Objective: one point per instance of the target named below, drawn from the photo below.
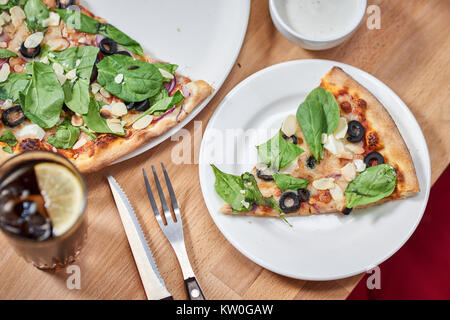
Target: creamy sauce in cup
(320, 19)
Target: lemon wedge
(63, 193)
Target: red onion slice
(180, 113)
(185, 91)
(98, 39)
(3, 61)
(4, 37)
(165, 114)
(170, 85)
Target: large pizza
(74, 84)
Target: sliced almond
(17, 15)
(4, 72)
(341, 129)
(166, 74)
(324, 183)
(336, 193)
(349, 172)
(119, 78)
(333, 145)
(77, 120)
(71, 75)
(360, 165)
(106, 112)
(54, 19)
(58, 68)
(355, 148)
(81, 142)
(61, 78)
(114, 125)
(31, 131)
(58, 44)
(34, 40)
(105, 93)
(95, 88)
(5, 16)
(143, 122)
(290, 125)
(119, 109)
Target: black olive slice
(355, 131)
(263, 176)
(30, 53)
(65, 4)
(293, 138)
(289, 202)
(311, 162)
(372, 157)
(108, 46)
(347, 211)
(304, 195)
(13, 116)
(125, 53)
(142, 106)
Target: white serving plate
(203, 37)
(323, 247)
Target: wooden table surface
(410, 53)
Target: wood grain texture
(410, 54)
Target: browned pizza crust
(394, 148)
(109, 148)
(383, 136)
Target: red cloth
(421, 268)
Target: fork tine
(152, 199)
(161, 196)
(173, 198)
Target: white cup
(280, 22)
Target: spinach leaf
(43, 100)
(77, 93)
(171, 68)
(81, 22)
(36, 12)
(89, 133)
(162, 105)
(254, 196)
(121, 38)
(95, 121)
(78, 21)
(5, 54)
(8, 138)
(277, 152)
(371, 185)
(139, 80)
(229, 187)
(12, 3)
(16, 83)
(287, 182)
(311, 118)
(66, 136)
(329, 105)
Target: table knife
(154, 285)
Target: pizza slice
(74, 84)
(341, 151)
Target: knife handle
(193, 289)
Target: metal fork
(173, 229)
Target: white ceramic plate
(203, 37)
(324, 247)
